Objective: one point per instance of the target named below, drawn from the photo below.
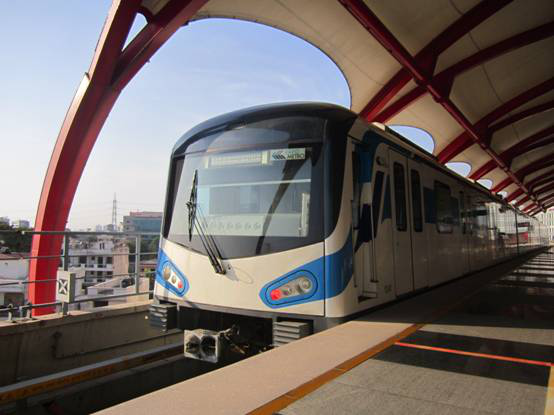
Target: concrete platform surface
(492, 354)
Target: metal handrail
(33, 232)
(82, 300)
(76, 256)
(64, 257)
(23, 282)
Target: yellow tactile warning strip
(549, 406)
(308, 387)
(49, 383)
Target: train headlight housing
(170, 277)
(295, 287)
(166, 272)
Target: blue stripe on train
(331, 274)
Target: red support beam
(539, 164)
(548, 204)
(502, 185)
(538, 181)
(514, 195)
(445, 79)
(476, 132)
(458, 145)
(398, 105)
(530, 143)
(547, 106)
(531, 207)
(526, 144)
(543, 183)
(484, 169)
(517, 101)
(547, 200)
(523, 200)
(424, 62)
(545, 189)
(111, 69)
(67, 160)
(462, 142)
(541, 179)
(532, 147)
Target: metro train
(286, 219)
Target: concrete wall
(54, 343)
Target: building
(142, 222)
(95, 255)
(21, 224)
(547, 219)
(13, 268)
(110, 228)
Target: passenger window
(356, 190)
(443, 203)
(400, 197)
(463, 212)
(376, 201)
(416, 201)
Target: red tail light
(276, 294)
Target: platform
(484, 343)
(491, 354)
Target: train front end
(248, 207)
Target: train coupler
(210, 345)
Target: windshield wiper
(208, 242)
(191, 204)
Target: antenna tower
(114, 213)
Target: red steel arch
(112, 67)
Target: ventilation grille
(285, 332)
(163, 316)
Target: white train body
(316, 216)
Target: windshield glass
(252, 201)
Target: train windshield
(250, 201)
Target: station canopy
(476, 75)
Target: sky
(207, 68)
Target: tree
(15, 239)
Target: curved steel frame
(112, 67)
(420, 68)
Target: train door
(418, 236)
(362, 230)
(401, 229)
(466, 247)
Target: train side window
(443, 203)
(356, 189)
(416, 201)
(400, 197)
(463, 212)
(376, 200)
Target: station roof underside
(476, 75)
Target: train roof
(324, 110)
(221, 122)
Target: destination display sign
(288, 154)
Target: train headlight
(304, 285)
(166, 273)
(169, 277)
(301, 286)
